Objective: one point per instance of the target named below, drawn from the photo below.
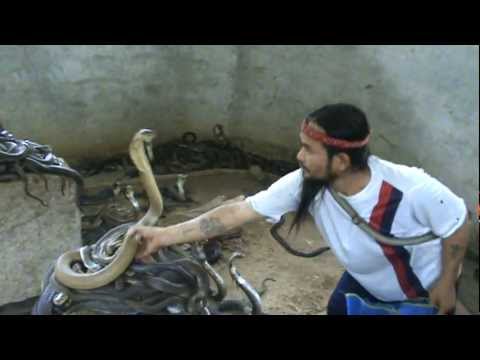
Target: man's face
(313, 158)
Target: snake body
(34, 157)
(11, 149)
(127, 250)
(245, 286)
(286, 246)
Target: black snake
(18, 157)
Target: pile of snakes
(189, 154)
(19, 157)
(179, 282)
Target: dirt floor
(302, 285)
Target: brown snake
(127, 250)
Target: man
(395, 200)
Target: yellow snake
(127, 250)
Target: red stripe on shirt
(378, 212)
(376, 220)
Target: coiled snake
(118, 262)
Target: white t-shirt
(398, 201)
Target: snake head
(139, 147)
(146, 135)
(233, 270)
(249, 290)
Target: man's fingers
(145, 258)
(446, 310)
(148, 259)
(441, 311)
(138, 238)
(141, 248)
(131, 231)
(449, 310)
(140, 254)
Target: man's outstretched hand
(150, 239)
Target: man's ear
(341, 162)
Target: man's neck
(353, 182)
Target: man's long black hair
(341, 121)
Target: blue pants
(337, 304)
(366, 304)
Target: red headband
(327, 140)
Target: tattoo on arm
(212, 227)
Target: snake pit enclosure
(79, 166)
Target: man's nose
(300, 155)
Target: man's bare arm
(454, 249)
(213, 223)
(443, 294)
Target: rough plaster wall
(32, 236)
(87, 101)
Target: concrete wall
(32, 236)
(86, 101)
